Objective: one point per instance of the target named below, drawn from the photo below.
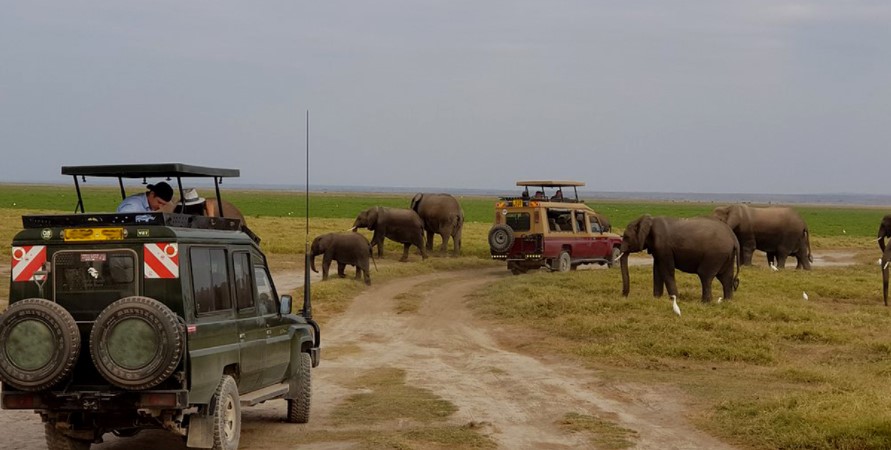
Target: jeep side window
(595, 225)
(210, 279)
(244, 288)
(265, 294)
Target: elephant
(442, 215)
(700, 245)
(397, 224)
(604, 223)
(885, 232)
(345, 248)
(778, 231)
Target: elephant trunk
(881, 238)
(626, 285)
(885, 280)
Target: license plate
(93, 234)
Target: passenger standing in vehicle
(156, 196)
(558, 196)
(194, 203)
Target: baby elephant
(345, 248)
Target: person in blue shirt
(154, 198)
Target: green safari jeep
(120, 322)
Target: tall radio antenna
(307, 303)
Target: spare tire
(39, 344)
(136, 343)
(501, 238)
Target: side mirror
(285, 307)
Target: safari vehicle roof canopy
(164, 170)
(550, 183)
(148, 170)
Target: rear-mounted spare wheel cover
(136, 343)
(39, 344)
(501, 238)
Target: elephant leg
(366, 273)
(420, 246)
(341, 269)
(771, 258)
(747, 250)
(406, 246)
(671, 284)
(781, 260)
(658, 282)
(444, 248)
(804, 262)
(706, 280)
(430, 240)
(326, 265)
(726, 279)
(378, 239)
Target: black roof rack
(148, 171)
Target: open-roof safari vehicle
(555, 231)
(119, 322)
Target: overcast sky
(767, 96)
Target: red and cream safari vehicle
(549, 228)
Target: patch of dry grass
(770, 369)
(604, 434)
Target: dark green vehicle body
(209, 271)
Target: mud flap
(200, 431)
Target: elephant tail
(371, 254)
(807, 241)
(736, 258)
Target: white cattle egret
(804, 295)
(880, 262)
(844, 232)
(773, 266)
(720, 299)
(674, 305)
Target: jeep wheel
(563, 262)
(298, 405)
(56, 440)
(614, 257)
(501, 238)
(226, 415)
(136, 343)
(39, 344)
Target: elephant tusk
(352, 229)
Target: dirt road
(515, 399)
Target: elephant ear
(884, 231)
(314, 248)
(416, 201)
(643, 230)
(373, 215)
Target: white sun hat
(191, 197)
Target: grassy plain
(765, 370)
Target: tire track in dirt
(445, 349)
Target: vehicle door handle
(268, 332)
(241, 336)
